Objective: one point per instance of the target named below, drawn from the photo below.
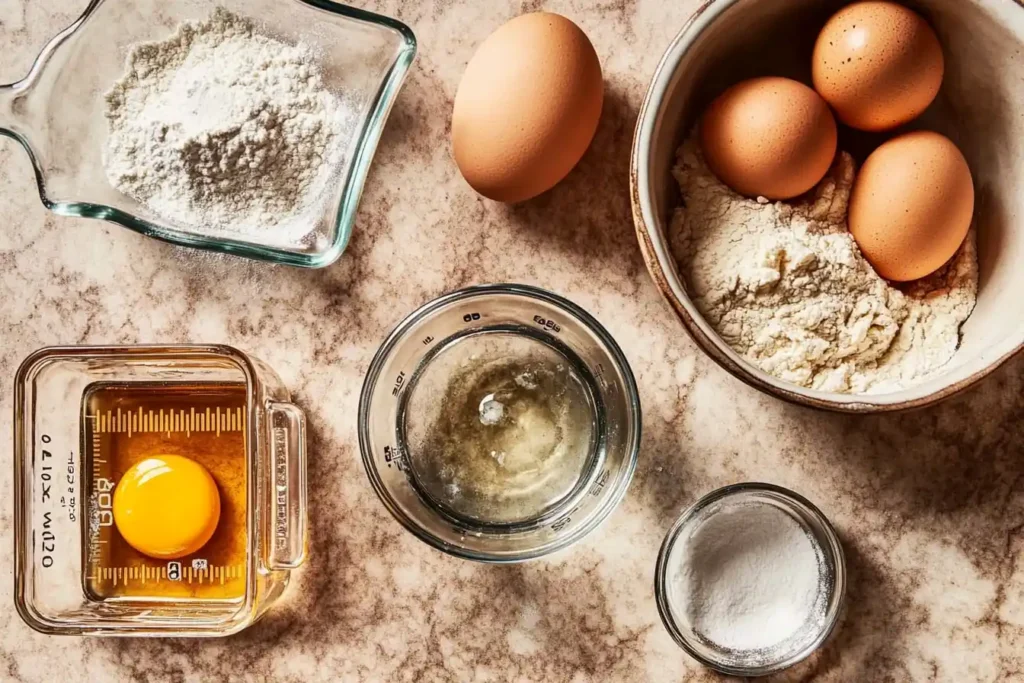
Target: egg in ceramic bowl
(912, 205)
(878, 64)
(769, 137)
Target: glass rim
(617, 493)
(833, 548)
(344, 219)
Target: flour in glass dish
(220, 128)
(785, 285)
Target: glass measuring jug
(504, 506)
(57, 111)
(85, 418)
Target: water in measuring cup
(127, 423)
(500, 427)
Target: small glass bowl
(57, 111)
(833, 567)
(540, 317)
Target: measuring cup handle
(286, 537)
(10, 121)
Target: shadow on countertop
(960, 456)
(588, 215)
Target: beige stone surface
(930, 505)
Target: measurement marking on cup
(399, 381)
(547, 323)
(96, 459)
(197, 572)
(170, 422)
(393, 456)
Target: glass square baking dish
(57, 111)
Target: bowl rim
(353, 181)
(673, 291)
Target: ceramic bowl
(981, 107)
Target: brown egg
(770, 137)
(912, 205)
(878, 64)
(527, 107)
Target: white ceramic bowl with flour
(980, 107)
(751, 579)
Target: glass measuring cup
(553, 327)
(57, 111)
(73, 574)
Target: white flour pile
(219, 128)
(786, 286)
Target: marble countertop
(930, 505)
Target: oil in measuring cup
(500, 426)
(192, 435)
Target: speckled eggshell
(878, 64)
(912, 205)
(527, 107)
(769, 137)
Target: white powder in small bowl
(750, 579)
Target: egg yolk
(166, 506)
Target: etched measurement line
(96, 459)
(126, 575)
(218, 420)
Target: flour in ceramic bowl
(785, 285)
(219, 128)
